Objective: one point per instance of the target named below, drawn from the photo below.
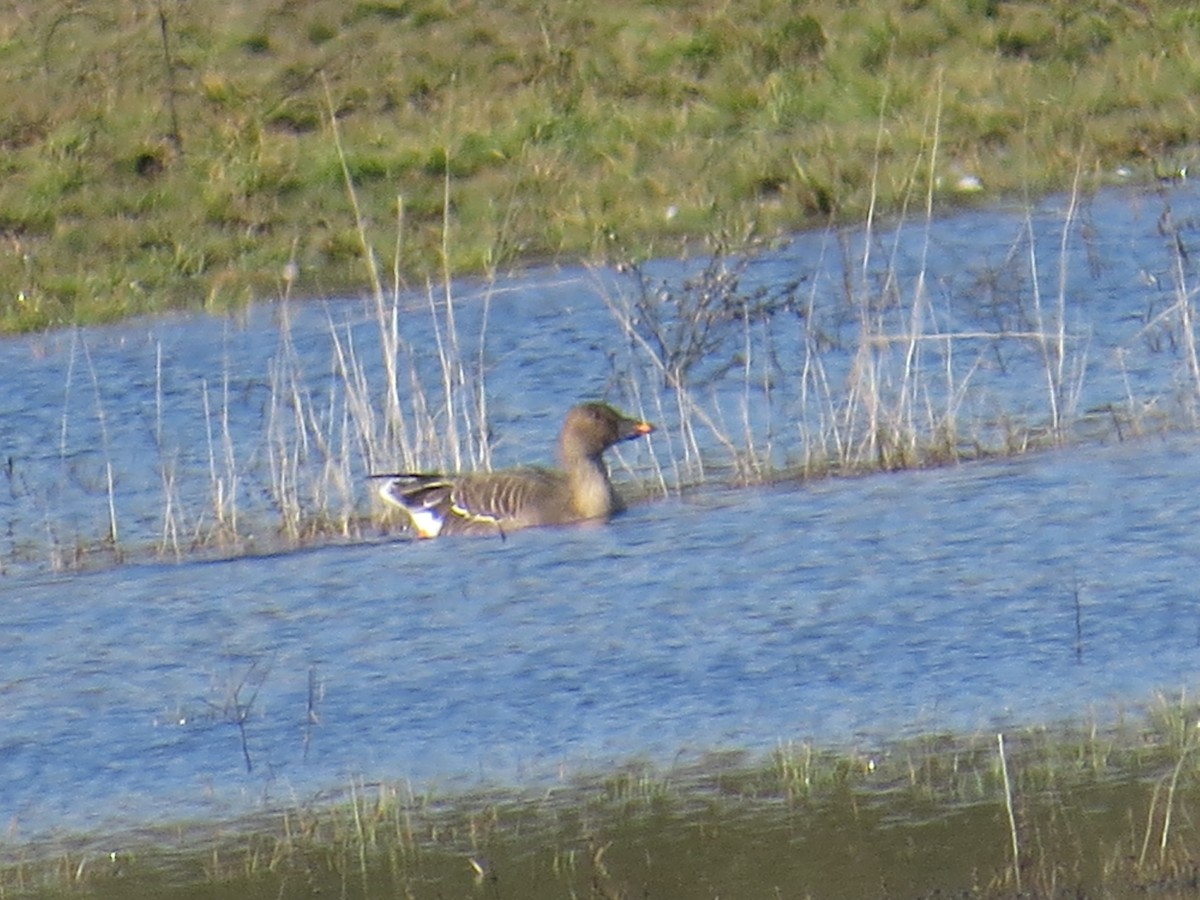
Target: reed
(110, 490)
(1183, 310)
(395, 406)
(69, 545)
(414, 410)
(868, 380)
(385, 403)
(169, 538)
(1014, 839)
(222, 467)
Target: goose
(526, 497)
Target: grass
(161, 156)
(1044, 812)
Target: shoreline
(893, 799)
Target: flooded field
(178, 647)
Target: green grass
(180, 155)
(1095, 812)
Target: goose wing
(516, 498)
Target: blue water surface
(164, 686)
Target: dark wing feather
(516, 498)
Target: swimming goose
(498, 502)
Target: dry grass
(866, 381)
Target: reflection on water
(844, 610)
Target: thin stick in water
(1078, 623)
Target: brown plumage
(498, 502)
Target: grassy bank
(162, 155)
(1036, 813)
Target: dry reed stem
(106, 447)
(1012, 817)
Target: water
(984, 596)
